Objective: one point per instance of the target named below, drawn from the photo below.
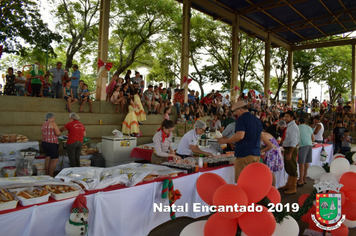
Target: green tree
(21, 27)
(334, 68)
(78, 23)
(137, 25)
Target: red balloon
(313, 226)
(348, 179)
(349, 209)
(343, 198)
(306, 217)
(207, 184)
(257, 223)
(217, 225)
(341, 231)
(302, 199)
(229, 195)
(351, 195)
(274, 196)
(256, 180)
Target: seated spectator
(79, 91)
(158, 98)
(226, 101)
(263, 119)
(46, 87)
(68, 95)
(197, 98)
(160, 87)
(149, 100)
(347, 108)
(178, 100)
(199, 114)
(177, 89)
(137, 78)
(215, 124)
(346, 121)
(228, 120)
(314, 113)
(85, 97)
(111, 86)
(206, 103)
(352, 122)
(331, 122)
(188, 115)
(191, 100)
(346, 142)
(277, 130)
(118, 100)
(20, 84)
(167, 112)
(164, 100)
(339, 110)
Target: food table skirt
(316, 154)
(126, 211)
(11, 150)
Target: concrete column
(290, 74)
(267, 67)
(103, 48)
(235, 58)
(185, 46)
(353, 79)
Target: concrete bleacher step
(25, 115)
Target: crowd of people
(37, 83)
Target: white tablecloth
(123, 212)
(11, 150)
(316, 155)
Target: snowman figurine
(77, 224)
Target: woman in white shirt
(162, 141)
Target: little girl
(130, 125)
(117, 100)
(167, 111)
(140, 113)
(111, 86)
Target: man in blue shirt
(75, 80)
(247, 138)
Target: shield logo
(328, 208)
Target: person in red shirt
(178, 99)
(206, 102)
(76, 133)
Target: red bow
(269, 91)
(0, 50)
(107, 65)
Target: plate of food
(59, 192)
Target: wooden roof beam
(336, 18)
(324, 44)
(350, 15)
(274, 18)
(210, 6)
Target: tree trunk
(201, 90)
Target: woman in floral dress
(273, 156)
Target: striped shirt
(48, 134)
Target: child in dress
(46, 90)
(111, 86)
(117, 100)
(130, 125)
(140, 113)
(167, 111)
(86, 98)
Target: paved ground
(174, 227)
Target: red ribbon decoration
(107, 65)
(184, 79)
(0, 50)
(189, 80)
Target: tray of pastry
(59, 192)
(7, 201)
(31, 195)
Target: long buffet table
(116, 210)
